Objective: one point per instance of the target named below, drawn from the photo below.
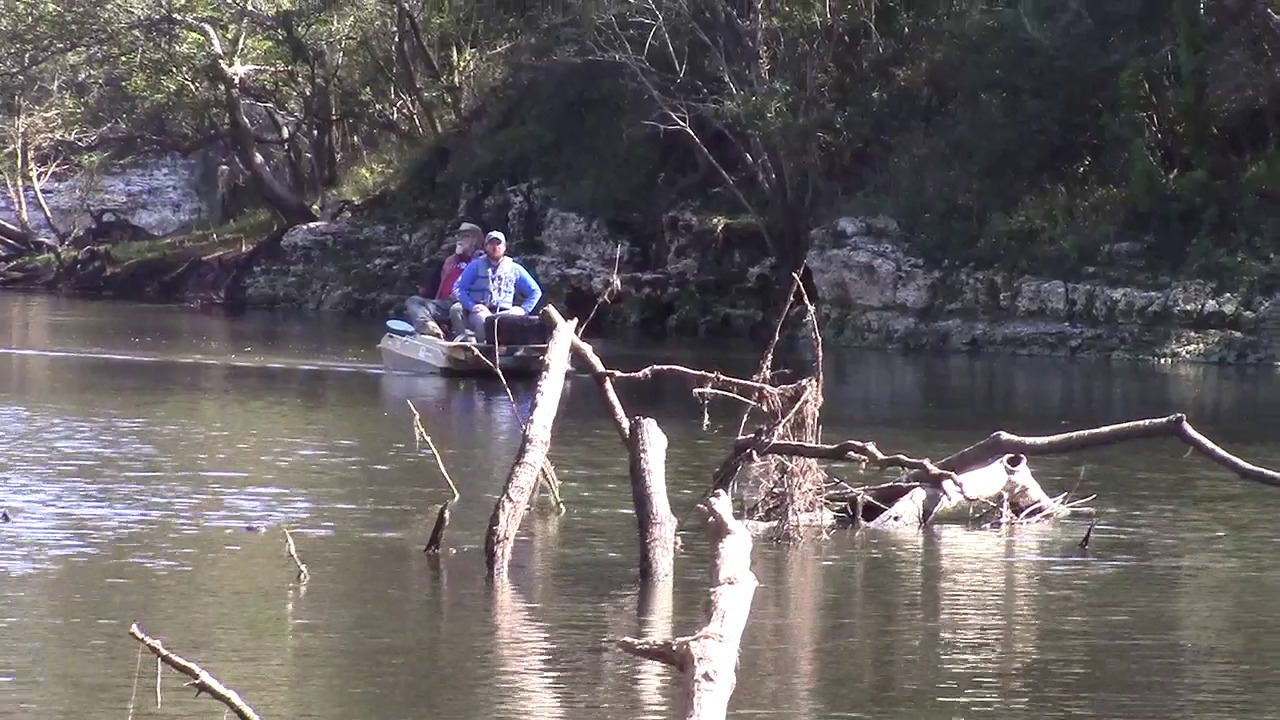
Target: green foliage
(1030, 134)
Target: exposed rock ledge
(704, 276)
(875, 293)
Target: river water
(143, 447)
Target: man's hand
(517, 310)
(481, 309)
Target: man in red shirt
(427, 314)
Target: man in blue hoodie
(489, 286)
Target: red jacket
(453, 267)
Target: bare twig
(811, 314)
(713, 378)
(291, 550)
(420, 434)
(726, 394)
(552, 481)
(442, 516)
(494, 366)
(200, 679)
(861, 451)
(137, 672)
(606, 295)
(159, 700)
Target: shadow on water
(132, 472)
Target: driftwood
(707, 660)
(200, 679)
(1001, 443)
(656, 524)
(512, 503)
(991, 471)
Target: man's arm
(528, 287)
(464, 282)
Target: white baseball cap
(495, 236)
(468, 227)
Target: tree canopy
(1023, 133)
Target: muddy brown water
(139, 443)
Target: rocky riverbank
(691, 275)
(709, 277)
(875, 293)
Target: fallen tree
(1175, 426)
(794, 491)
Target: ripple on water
(79, 485)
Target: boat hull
(423, 354)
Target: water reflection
(131, 483)
(470, 407)
(1042, 394)
(523, 647)
(655, 612)
(523, 651)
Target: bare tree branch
(201, 679)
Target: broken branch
(201, 679)
(420, 433)
(656, 524)
(607, 391)
(707, 659)
(292, 551)
(860, 451)
(437, 530)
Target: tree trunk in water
(657, 526)
(708, 659)
(523, 478)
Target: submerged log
(707, 660)
(512, 503)
(1007, 483)
(437, 530)
(656, 523)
